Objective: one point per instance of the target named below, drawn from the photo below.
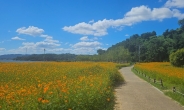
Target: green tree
(181, 23)
(177, 58)
(100, 51)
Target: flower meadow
(58, 85)
(171, 76)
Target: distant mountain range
(10, 56)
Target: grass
(121, 65)
(171, 76)
(58, 85)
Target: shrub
(177, 58)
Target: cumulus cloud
(135, 15)
(31, 30)
(174, 3)
(144, 13)
(97, 29)
(178, 14)
(17, 38)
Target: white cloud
(135, 15)
(50, 40)
(127, 35)
(174, 3)
(36, 48)
(51, 45)
(144, 13)
(98, 28)
(92, 21)
(40, 45)
(84, 38)
(31, 30)
(17, 38)
(45, 36)
(178, 14)
(84, 47)
(161, 13)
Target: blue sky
(80, 26)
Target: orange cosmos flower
(45, 101)
(40, 99)
(45, 89)
(108, 99)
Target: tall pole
(139, 53)
(44, 55)
(44, 51)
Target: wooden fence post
(154, 80)
(174, 89)
(161, 82)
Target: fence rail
(158, 82)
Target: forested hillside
(152, 47)
(148, 47)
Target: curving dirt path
(137, 94)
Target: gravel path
(137, 94)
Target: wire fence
(160, 82)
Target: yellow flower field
(58, 85)
(163, 70)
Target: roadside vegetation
(170, 75)
(177, 58)
(58, 86)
